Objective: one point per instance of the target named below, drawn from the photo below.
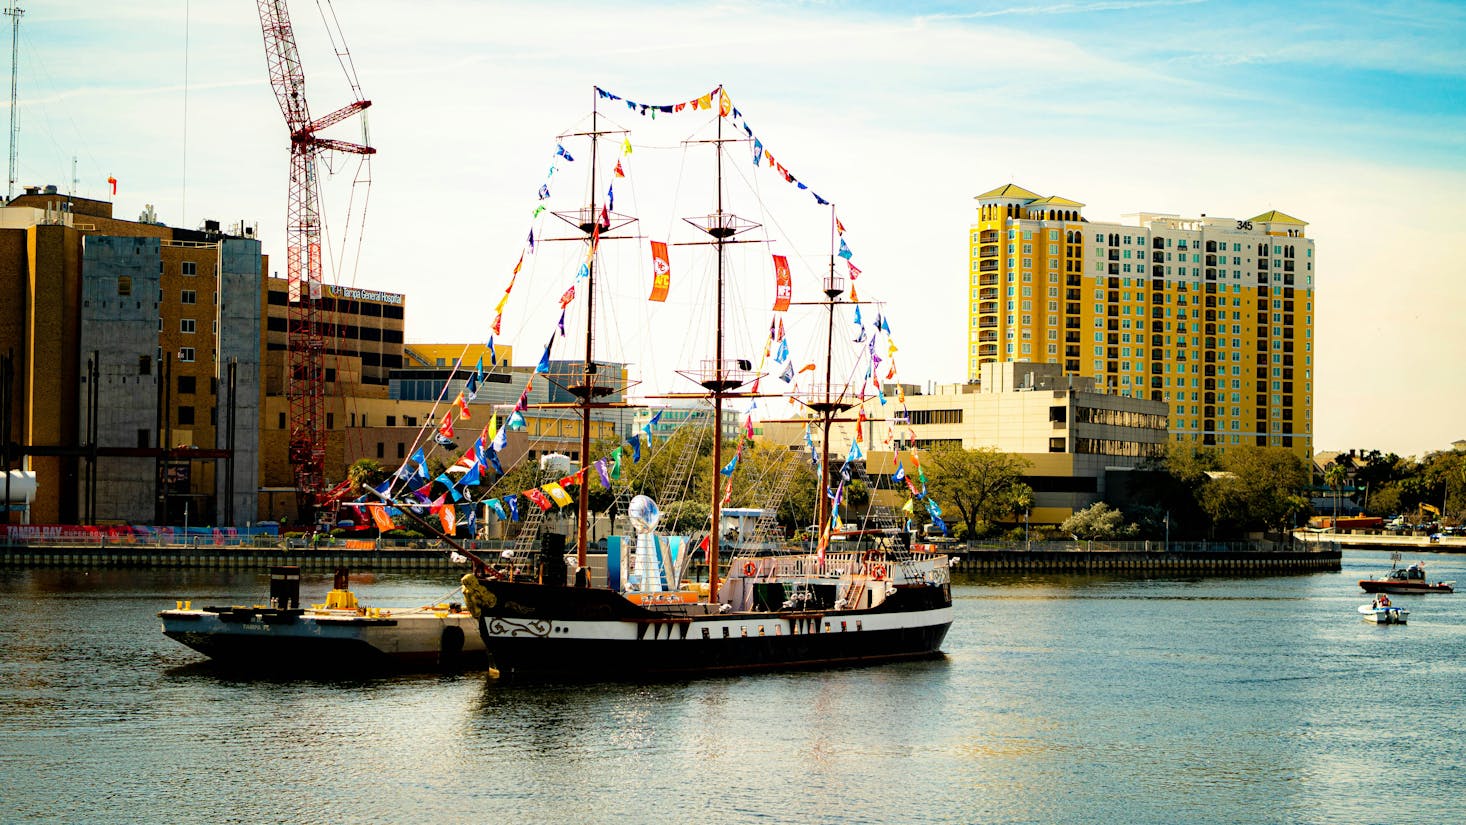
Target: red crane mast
(306, 336)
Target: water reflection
(1061, 698)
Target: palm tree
(1022, 499)
(1335, 476)
(363, 473)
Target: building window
(187, 326)
(188, 296)
(185, 354)
(185, 415)
(190, 268)
(124, 285)
(187, 385)
(144, 438)
(144, 365)
(381, 450)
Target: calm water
(1062, 699)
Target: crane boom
(306, 338)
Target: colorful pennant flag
(557, 494)
(537, 496)
(381, 519)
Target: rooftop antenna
(15, 13)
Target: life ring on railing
(878, 572)
(749, 568)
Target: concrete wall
(240, 287)
(121, 330)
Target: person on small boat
(1382, 601)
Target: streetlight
(1168, 531)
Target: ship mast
(582, 500)
(833, 289)
(722, 378)
(720, 235)
(587, 387)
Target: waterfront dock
(1141, 558)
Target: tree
(1168, 488)
(976, 484)
(1269, 485)
(1099, 521)
(364, 473)
(1020, 500)
(1445, 473)
(1334, 476)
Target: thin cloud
(1060, 9)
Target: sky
(1351, 116)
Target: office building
(124, 336)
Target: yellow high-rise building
(1212, 315)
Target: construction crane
(305, 368)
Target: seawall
(1078, 558)
(226, 558)
(1190, 562)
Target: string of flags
(484, 452)
(417, 482)
(761, 153)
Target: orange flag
(449, 519)
(783, 285)
(381, 519)
(661, 272)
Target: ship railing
(834, 564)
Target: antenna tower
(15, 12)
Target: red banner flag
(113, 183)
(446, 428)
(661, 272)
(539, 498)
(783, 286)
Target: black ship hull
(592, 633)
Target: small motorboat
(1382, 612)
(1406, 580)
